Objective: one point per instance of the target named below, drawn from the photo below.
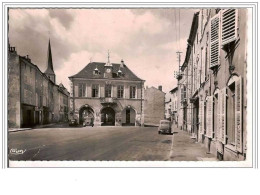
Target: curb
(15, 130)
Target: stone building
(33, 96)
(109, 93)
(154, 107)
(215, 64)
(174, 104)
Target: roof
(155, 89)
(87, 72)
(49, 69)
(174, 89)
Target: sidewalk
(186, 149)
(34, 127)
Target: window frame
(98, 90)
(119, 91)
(135, 91)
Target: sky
(146, 39)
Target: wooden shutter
(229, 25)
(238, 115)
(210, 116)
(76, 91)
(201, 117)
(222, 115)
(202, 65)
(214, 40)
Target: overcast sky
(146, 39)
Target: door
(127, 116)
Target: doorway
(108, 117)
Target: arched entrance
(107, 117)
(128, 116)
(84, 112)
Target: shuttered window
(209, 121)
(201, 117)
(238, 115)
(222, 116)
(214, 40)
(229, 25)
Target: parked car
(73, 120)
(165, 127)
(88, 121)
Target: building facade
(216, 62)
(109, 93)
(174, 104)
(33, 96)
(154, 106)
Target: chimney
(160, 87)
(122, 63)
(28, 59)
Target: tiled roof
(87, 72)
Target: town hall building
(111, 94)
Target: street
(61, 142)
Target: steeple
(49, 71)
(108, 60)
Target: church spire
(49, 71)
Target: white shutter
(202, 65)
(238, 115)
(76, 91)
(209, 116)
(229, 25)
(201, 117)
(214, 40)
(222, 116)
(216, 112)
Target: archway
(107, 117)
(128, 116)
(84, 112)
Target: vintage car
(88, 121)
(73, 120)
(165, 127)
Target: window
(229, 25)
(231, 115)
(82, 90)
(120, 91)
(108, 90)
(132, 92)
(214, 41)
(95, 90)
(96, 72)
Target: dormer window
(119, 73)
(96, 71)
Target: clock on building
(108, 70)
